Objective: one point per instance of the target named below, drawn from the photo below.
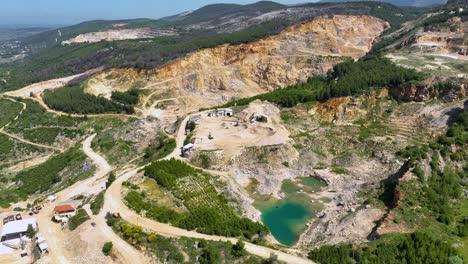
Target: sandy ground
(120, 34)
(232, 139)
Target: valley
(337, 137)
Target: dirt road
(114, 203)
(92, 185)
(52, 231)
(29, 142)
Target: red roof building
(64, 209)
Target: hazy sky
(54, 12)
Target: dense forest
(209, 211)
(347, 78)
(74, 100)
(406, 248)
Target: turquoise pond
(284, 219)
(287, 218)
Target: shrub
(76, 220)
(238, 249)
(107, 248)
(97, 203)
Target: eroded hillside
(216, 75)
(439, 46)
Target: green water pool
(287, 218)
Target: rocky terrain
(216, 75)
(438, 48)
(326, 150)
(119, 34)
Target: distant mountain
(457, 3)
(417, 3)
(215, 11)
(212, 25)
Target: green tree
(31, 231)
(191, 126)
(110, 179)
(107, 248)
(238, 249)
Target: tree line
(417, 247)
(74, 100)
(346, 79)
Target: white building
(41, 243)
(17, 229)
(185, 150)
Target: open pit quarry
(217, 75)
(438, 49)
(120, 34)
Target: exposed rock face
(216, 75)
(446, 39)
(120, 34)
(343, 110)
(425, 91)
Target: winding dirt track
(113, 203)
(2, 130)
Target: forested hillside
(73, 100)
(347, 79)
(52, 60)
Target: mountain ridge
(415, 3)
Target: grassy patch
(97, 203)
(9, 110)
(76, 220)
(115, 150)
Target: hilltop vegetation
(347, 78)
(74, 100)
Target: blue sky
(60, 12)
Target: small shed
(52, 198)
(185, 150)
(43, 247)
(39, 238)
